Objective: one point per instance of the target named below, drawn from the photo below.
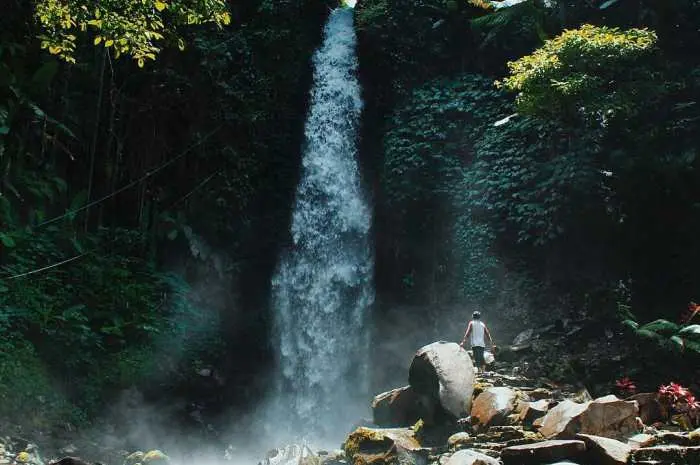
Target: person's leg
(478, 357)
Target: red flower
(626, 385)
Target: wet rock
(606, 416)
(542, 452)
(366, 446)
(333, 458)
(69, 461)
(292, 454)
(493, 405)
(667, 455)
(133, 458)
(444, 372)
(605, 451)
(401, 407)
(470, 457)
(155, 457)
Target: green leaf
(691, 332)
(7, 241)
(608, 4)
(172, 235)
(663, 327)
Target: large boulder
(493, 406)
(542, 452)
(444, 372)
(470, 457)
(379, 446)
(401, 407)
(606, 416)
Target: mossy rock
(155, 457)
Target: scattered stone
(531, 411)
(540, 394)
(542, 452)
(384, 445)
(401, 407)
(444, 372)
(605, 451)
(292, 454)
(641, 440)
(460, 440)
(667, 455)
(493, 405)
(606, 416)
(471, 457)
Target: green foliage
(400, 37)
(134, 28)
(106, 322)
(590, 70)
(431, 137)
(430, 140)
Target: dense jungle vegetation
(536, 159)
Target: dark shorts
(478, 356)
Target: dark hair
(476, 315)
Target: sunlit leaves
(136, 28)
(583, 70)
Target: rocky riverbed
(450, 414)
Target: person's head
(476, 315)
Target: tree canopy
(135, 27)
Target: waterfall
(322, 288)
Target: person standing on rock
(476, 331)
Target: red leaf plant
(626, 386)
(681, 401)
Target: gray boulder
(444, 372)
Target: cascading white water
(322, 289)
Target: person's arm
(488, 333)
(466, 334)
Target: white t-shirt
(477, 334)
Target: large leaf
(691, 332)
(663, 327)
(608, 4)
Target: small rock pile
(449, 415)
